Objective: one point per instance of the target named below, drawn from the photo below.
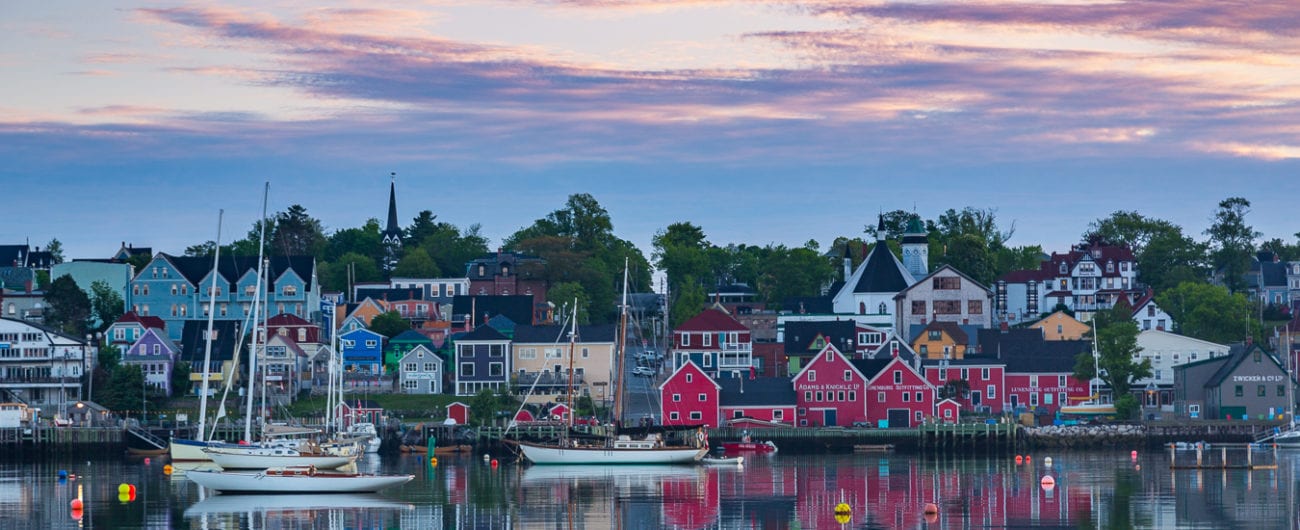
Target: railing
(39, 380)
(545, 378)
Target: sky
(762, 122)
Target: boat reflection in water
(342, 510)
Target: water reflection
(1089, 490)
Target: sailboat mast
(620, 352)
(257, 298)
(207, 349)
(573, 339)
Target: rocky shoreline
(1106, 436)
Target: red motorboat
(746, 445)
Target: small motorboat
(747, 445)
(723, 460)
(294, 479)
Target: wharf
(1222, 456)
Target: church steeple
(392, 232)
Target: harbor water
(1087, 490)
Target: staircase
(148, 438)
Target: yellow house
(941, 340)
(1061, 326)
(365, 311)
(542, 361)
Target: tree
(106, 305)
(125, 389)
(1116, 340)
(67, 306)
(1129, 229)
(368, 240)
(422, 226)
(563, 295)
(1170, 258)
(296, 233)
(1210, 312)
(969, 254)
(687, 302)
(1232, 241)
(55, 248)
(389, 324)
(335, 275)
(895, 225)
(787, 272)
(181, 379)
(416, 263)
(452, 248)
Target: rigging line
(524, 403)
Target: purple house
(155, 354)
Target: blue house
(155, 354)
(362, 351)
(129, 328)
(176, 288)
(482, 361)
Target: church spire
(392, 232)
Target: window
(688, 378)
(839, 396)
(991, 392)
(250, 290)
(708, 361)
(777, 414)
(898, 377)
(812, 375)
(984, 373)
(975, 307)
(708, 339)
(289, 290)
(496, 369)
(853, 396)
(467, 369)
(1257, 356)
(585, 353)
(880, 397)
(907, 397)
(1033, 381)
(736, 414)
(174, 290)
(371, 343)
(881, 309)
(919, 417)
(1238, 391)
(410, 384)
(1260, 391)
(677, 398)
(947, 282)
(1060, 381)
(807, 395)
(673, 416)
(1281, 390)
(157, 349)
(496, 350)
(947, 413)
(119, 334)
(925, 348)
(430, 367)
(821, 396)
(848, 375)
(1033, 399)
(144, 289)
(410, 367)
(1047, 399)
(935, 334)
(918, 397)
(703, 397)
(947, 307)
(918, 307)
(686, 339)
(173, 309)
(697, 415)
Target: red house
(1043, 392)
(716, 342)
(689, 397)
(980, 380)
(828, 389)
(770, 400)
(459, 412)
(1039, 373)
(559, 411)
(948, 411)
(898, 395)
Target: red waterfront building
(689, 397)
(828, 391)
(977, 383)
(898, 395)
(1039, 373)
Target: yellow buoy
(433, 461)
(167, 469)
(123, 498)
(123, 488)
(843, 507)
(843, 518)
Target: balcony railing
(545, 379)
(39, 380)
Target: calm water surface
(1092, 490)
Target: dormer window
(290, 290)
(1063, 269)
(505, 269)
(482, 270)
(1110, 266)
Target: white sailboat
(192, 450)
(269, 456)
(1289, 438)
(619, 449)
(295, 480)
(1091, 405)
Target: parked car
(643, 371)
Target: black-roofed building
(225, 338)
(470, 311)
(768, 399)
(870, 290)
(1039, 373)
(510, 274)
(1248, 383)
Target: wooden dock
(1223, 456)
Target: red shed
(827, 390)
(689, 397)
(359, 411)
(948, 411)
(559, 411)
(899, 395)
(524, 416)
(459, 412)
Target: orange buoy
(931, 507)
(1020, 459)
(494, 462)
(1047, 482)
(931, 518)
(77, 505)
(167, 469)
(146, 460)
(1028, 458)
(433, 461)
(76, 514)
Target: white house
(41, 367)
(1166, 350)
(1148, 314)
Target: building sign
(899, 387)
(833, 386)
(1256, 378)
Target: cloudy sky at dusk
(763, 122)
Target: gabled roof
(905, 364)
(482, 333)
(518, 308)
(194, 269)
(963, 275)
(420, 348)
(760, 391)
(953, 330)
(881, 272)
(696, 369)
(131, 317)
(194, 341)
(287, 319)
(971, 331)
(1236, 354)
(870, 367)
(801, 336)
(492, 265)
(603, 333)
(711, 320)
(289, 344)
(410, 336)
(161, 337)
(818, 359)
(362, 331)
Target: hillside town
(893, 333)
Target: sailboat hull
(236, 458)
(1089, 409)
(264, 482)
(182, 450)
(547, 454)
